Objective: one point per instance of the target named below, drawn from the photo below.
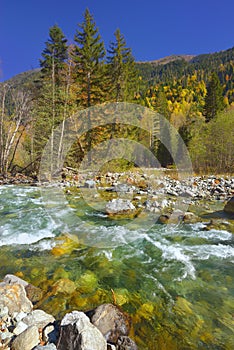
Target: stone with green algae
(87, 283)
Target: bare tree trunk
(68, 85)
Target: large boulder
(229, 207)
(27, 340)
(77, 333)
(14, 297)
(111, 321)
(119, 206)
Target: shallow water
(176, 281)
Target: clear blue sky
(152, 28)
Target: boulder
(119, 205)
(38, 318)
(12, 279)
(111, 321)
(27, 340)
(190, 218)
(77, 333)
(229, 207)
(14, 297)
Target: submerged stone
(111, 321)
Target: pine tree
(123, 75)
(214, 101)
(55, 53)
(89, 53)
(51, 101)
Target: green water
(176, 281)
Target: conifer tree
(50, 102)
(122, 71)
(55, 53)
(214, 101)
(89, 53)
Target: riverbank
(23, 327)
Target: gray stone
(27, 340)
(119, 205)
(38, 318)
(20, 327)
(14, 297)
(12, 279)
(111, 321)
(77, 333)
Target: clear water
(176, 281)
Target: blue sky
(152, 28)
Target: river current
(176, 281)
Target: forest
(194, 93)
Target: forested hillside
(195, 93)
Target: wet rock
(110, 321)
(14, 297)
(163, 219)
(217, 224)
(38, 318)
(77, 333)
(27, 340)
(125, 343)
(190, 218)
(64, 285)
(34, 294)
(119, 205)
(229, 207)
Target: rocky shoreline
(24, 327)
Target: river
(176, 281)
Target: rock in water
(119, 205)
(229, 207)
(26, 340)
(110, 321)
(14, 297)
(77, 333)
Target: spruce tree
(214, 102)
(51, 101)
(55, 53)
(90, 75)
(89, 53)
(122, 71)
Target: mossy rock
(65, 244)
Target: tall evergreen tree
(89, 53)
(51, 100)
(54, 54)
(214, 101)
(122, 71)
